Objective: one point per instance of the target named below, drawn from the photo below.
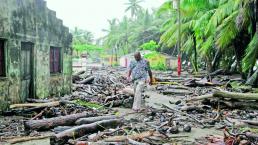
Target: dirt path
(155, 100)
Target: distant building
(35, 52)
(124, 61)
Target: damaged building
(35, 52)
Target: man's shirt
(139, 69)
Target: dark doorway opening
(27, 66)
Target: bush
(157, 61)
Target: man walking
(139, 70)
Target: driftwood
(88, 128)
(224, 94)
(40, 100)
(22, 111)
(45, 124)
(240, 104)
(133, 142)
(96, 143)
(183, 113)
(139, 136)
(23, 139)
(94, 119)
(88, 80)
(202, 97)
(241, 96)
(49, 104)
(199, 108)
(239, 122)
(176, 91)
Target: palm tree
(134, 7)
(216, 30)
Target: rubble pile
(90, 114)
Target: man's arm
(129, 73)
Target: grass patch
(88, 104)
(254, 130)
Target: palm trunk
(195, 54)
(216, 59)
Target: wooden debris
(49, 104)
(138, 136)
(23, 139)
(225, 94)
(94, 119)
(45, 124)
(88, 128)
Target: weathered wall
(32, 21)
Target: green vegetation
(157, 61)
(83, 43)
(88, 104)
(152, 45)
(221, 32)
(214, 34)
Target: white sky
(92, 15)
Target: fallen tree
(225, 94)
(94, 119)
(49, 104)
(46, 124)
(81, 130)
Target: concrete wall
(31, 21)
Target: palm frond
(227, 31)
(251, 54)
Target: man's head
(137, 56)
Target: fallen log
(137, 136)
(50, 104)
(23, 139)
(202, 97)
(88, 128)
(94, 119)
(46, 124)
(225, 94)
(41, 100)
(240, 104)
(22, 111)
(199, 108)
(176, 91)
(96, 143)
(233, 95)
(241, 122)
(88, 80)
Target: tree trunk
(46, 124)
(216, 59)
(49, 104)
(195, 54)
(94, 119)
(88, 128)
(232, 95)
(253, 80)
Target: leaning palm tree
(134, 7)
